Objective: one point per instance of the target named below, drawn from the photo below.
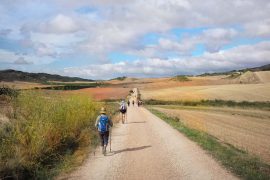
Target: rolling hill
(13, 75)
(255, 69)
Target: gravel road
(148, 148)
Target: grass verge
(46, 134)
(239, 162)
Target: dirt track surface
(148, 148)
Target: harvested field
(235, 92)
(103, 93)
(247, 78)
(169, 82)
(264, 76)
(243, 128)
(22, 85)
(251, 77)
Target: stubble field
(246, 129)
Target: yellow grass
(43, 129)
(22, 85)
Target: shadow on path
(131, 149)
(128, 150)
(136, 122)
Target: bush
(120, 78)
(181, 78)
(8, 91)
(44, 130)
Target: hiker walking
(133, 102)
(103, 124)
(123, 110)
(128, 103)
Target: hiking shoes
(104, 150)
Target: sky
(104, 39)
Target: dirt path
(148, 148)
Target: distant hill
(261, 68)
(120, 78)
(13, 75)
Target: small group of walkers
(104, 123)
(139, 103)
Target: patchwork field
(23, 85)
(103, 93)
(236, 92)
(243, 128)
(160, 83)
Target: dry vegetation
(34, 134)
(46, 132)
(102, 93)
(243, 128)
(161, 83)
(250, 86)
(236, 92)
(22, 85)
(43, 131)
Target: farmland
(250, 86)
(236, 92)
(102, 93)
(245, 129)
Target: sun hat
(103, 110)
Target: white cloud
(22, 61)
(44, 50)
(258, 29)
(8, 57)
(236, 58)
(59, 24)
(53, 28)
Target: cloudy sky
(140, 38)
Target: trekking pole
(126, 117)
(110, 140)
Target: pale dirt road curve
(148, 148)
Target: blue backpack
(103, 123)
(123, 107)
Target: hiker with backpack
(103, 124)
(123, 110)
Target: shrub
(44, 130)
(180, 78)
(8, 91)
(120, 78)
